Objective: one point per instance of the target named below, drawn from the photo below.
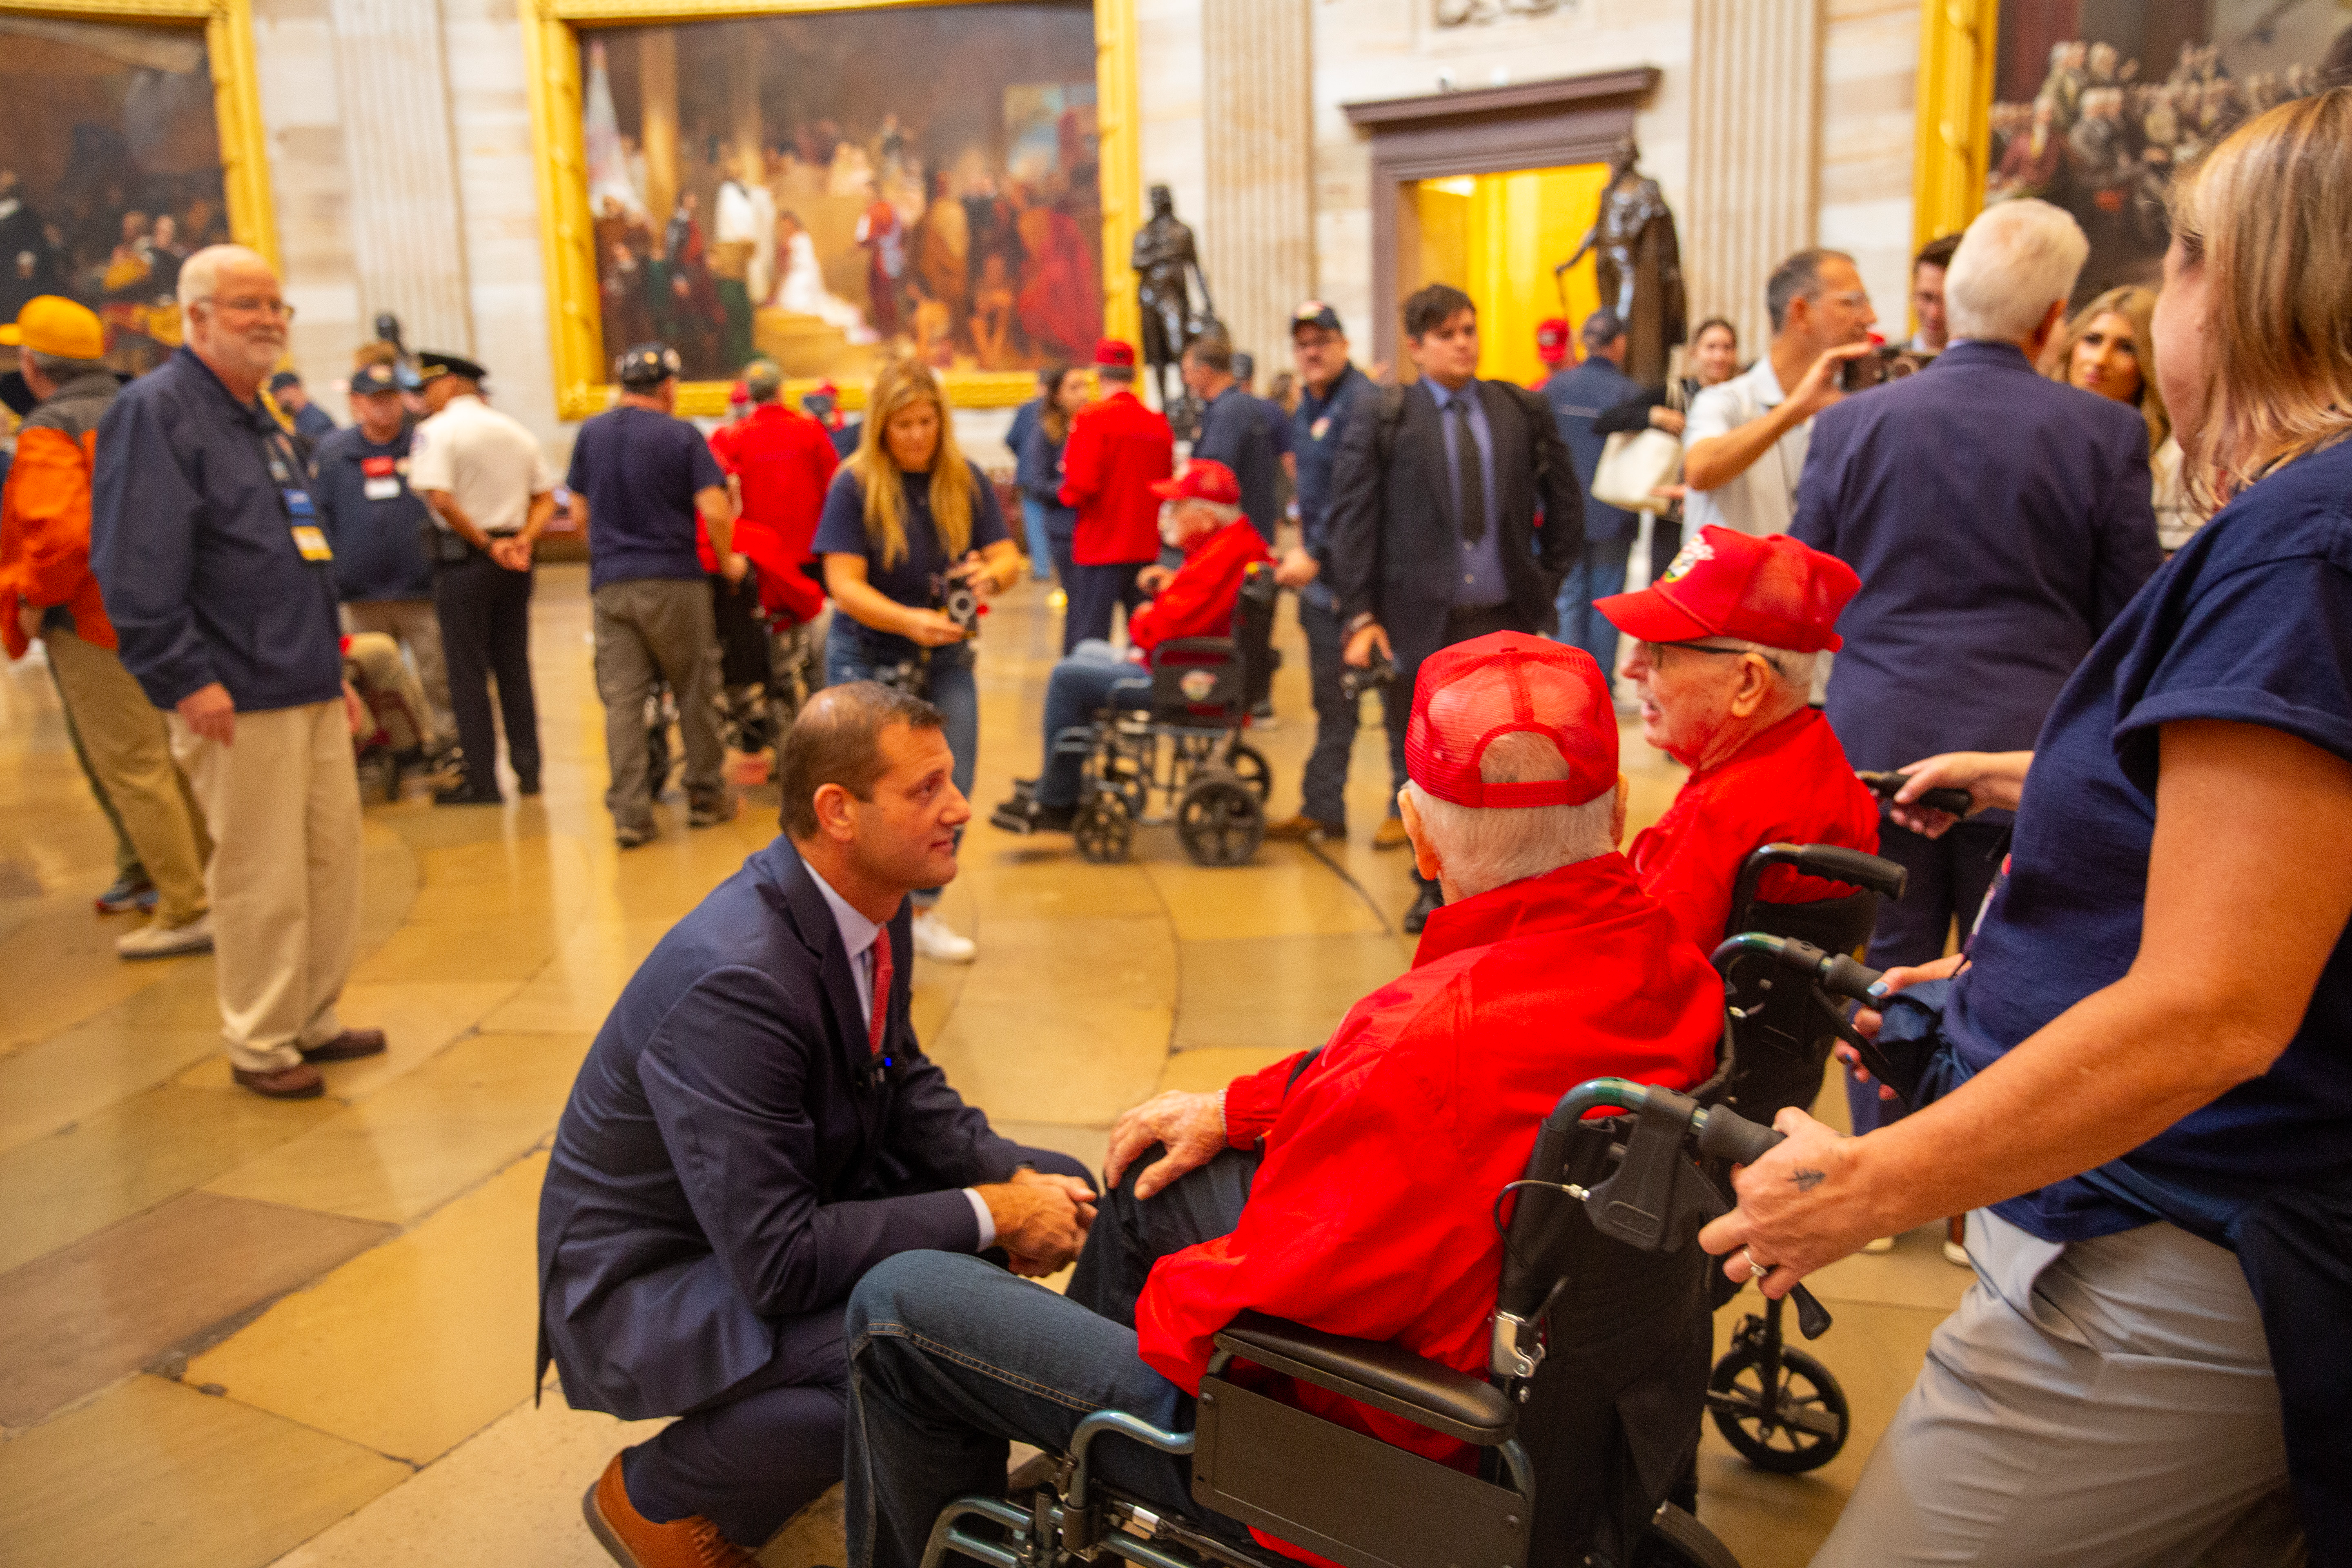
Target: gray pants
(648, 628)
(2092, 1404)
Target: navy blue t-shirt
(640, 469)
(2251, 622)
(841, 531)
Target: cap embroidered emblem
(1696, 550)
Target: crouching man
(1370, 1211)
(754, 1128)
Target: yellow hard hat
(54, 325)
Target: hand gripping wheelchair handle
(1727, 1135)
(1958, 802)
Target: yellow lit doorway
(1496, 237)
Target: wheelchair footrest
(1348, 1497)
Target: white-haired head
(1484, 847)
(201, 274)
(233, 314)
(2016, 261)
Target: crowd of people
(2089, 568)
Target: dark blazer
(1577, 398)
(1234, 432)
(729, 1162)
(2000, 520)
(1394, 540)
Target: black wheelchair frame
(756, 706)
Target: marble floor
(235, 1332)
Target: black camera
(909, 675)
(1883, 363)
(1355, 682)
(953, 596)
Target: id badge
(311, 543)
(381, 489)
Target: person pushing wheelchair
(1366, 1208)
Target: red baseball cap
(1468, 694)
(1771, 590)
(1551, 340)
(1117, 353)
(1202, 478)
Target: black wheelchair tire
(1220, 819)
(1103, 830)
(1806, 1451)
(1676, 1540)
(1250, 766)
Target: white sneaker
(156, 939)
(935, 941)
(1884, 1244)
(1957, 1254)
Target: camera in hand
(1883, 363)
(1355, 682)
(954, 596)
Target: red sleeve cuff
(1252, 1102)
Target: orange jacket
(44, 515)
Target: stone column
(1756, 71)
(405, 221)
(1257, 232)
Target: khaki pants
(416, 626)
(283, 804)
(123, 736)
(376, 659)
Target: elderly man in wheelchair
(1287, 1351)
(1203, 519)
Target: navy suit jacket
(729, 1161)
(2000, 520)
(1577, 398)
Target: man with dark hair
(1233, 427)
(312, 423)
(1744, 441)
(1577, 396)
(1931, 334)
(1117, 450)
(1455, 512)
(754, 1128)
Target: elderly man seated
(1203, 519)
(1369, 1212)
(1723, 661)
(754, 1128)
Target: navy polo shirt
(2251, 622)
(841, 531)
(640, 469)
(372, 518)
(192, 540)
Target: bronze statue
(1163, 254)
(1640, 266)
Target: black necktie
(1469, 477)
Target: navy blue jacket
(1039, 477)
(1577, 398)
(1233, 432)
(2000, 520)
(379, 544)
(1024, 419)
(190, 537)
(727, 1162)
(1316, 425)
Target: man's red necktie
(881, 1020)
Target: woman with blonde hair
(2141, 1082)
(908, 521)
(2109, 348)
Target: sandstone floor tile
(88, 1315)
(1210, 1068)
(52, 1082)
(1121, 959)
(1287, 992)
(156, 1474)
(1086, 1145)
(413, 1347)
(1050, 1060)
(419, 1020)
(72, 951)
(474, 950)
(586, 976)
(1286, 893)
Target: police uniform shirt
(373, 519)
(487, 462)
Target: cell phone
(1955, 802)
(1883, 363)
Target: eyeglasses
(251, 305)
(1853, 299)
(1651, 650)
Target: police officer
(378, 529)
(492, 494)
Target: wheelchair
(1181, 745)
(768, 669)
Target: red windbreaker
(785, 462)
(1372, 1213)
(1198, 601)
(1117, 450)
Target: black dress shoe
(527, 786)
(1429, 898)
(1025, 814)
(463, 794)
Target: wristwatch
(1358, 622)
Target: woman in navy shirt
(2146, 1071)
(905, 514)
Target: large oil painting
(826, 189)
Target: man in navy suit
(754, 1128)
(1999, 521)
(1455, 512)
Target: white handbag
(1636, 462)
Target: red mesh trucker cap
(1203, 479)
(1468, 694)
(1771, 590)
(1115, 353)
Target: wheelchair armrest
(1385, 1376)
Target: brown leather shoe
(1300, 829)
(345, 1046)
(1391, 834)
(636, 1542)
(301, 1081)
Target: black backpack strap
(1387, 414)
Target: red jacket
(1372, 1213)
(785, 462)
(1198, 601)
(1791, 784)
(1117, 450)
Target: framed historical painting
(826, 183)
(2092, 104)
(130, 137)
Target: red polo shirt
(1118, 449)
(784, 460)
(1198, 601)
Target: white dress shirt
(1762, 498)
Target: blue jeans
(854, 652)
(1598, 572)
(1041, 548)
(1079, 685)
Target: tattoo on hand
(1807, 1180)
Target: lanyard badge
(309, 539)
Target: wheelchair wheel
(1219, 819)
(1249, 767)
(1676, 1540)
(1806, 1424)
(1103, 829)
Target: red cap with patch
(1203, 479)
(1551, 340)
(1769, 590)
(1471, 693)
(1114, 352)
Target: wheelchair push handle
(1957, 802)
(1727, 1135)
(1832, 972)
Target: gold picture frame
(575, 325)
(1953, 142)
(236, 98)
